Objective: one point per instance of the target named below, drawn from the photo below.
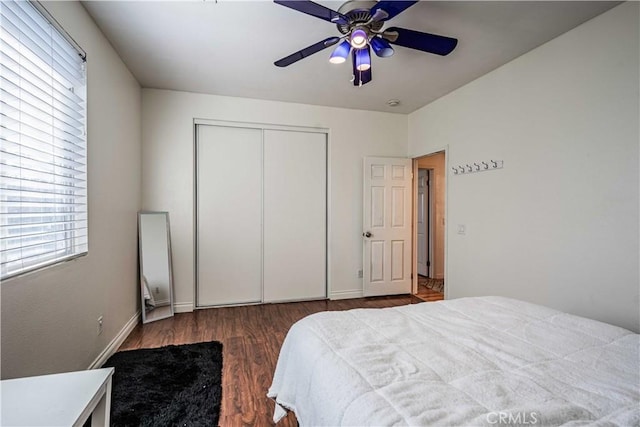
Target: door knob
(367, 234)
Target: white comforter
(468, 361)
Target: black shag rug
(177, 385)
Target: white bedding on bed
(468, 361)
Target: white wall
(559, 224)
(168, 140)
(49, 318)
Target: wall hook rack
(474, 167)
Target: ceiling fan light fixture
(340, 53)
(381, 47)
(360, 24)
(363, 59)
(359, 38)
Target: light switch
(462, 229)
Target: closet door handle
(367, 234)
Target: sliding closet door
(295, 194)
(229, 208)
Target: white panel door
(295, 220)
(387, 226)
(229, 210)
(422, 218)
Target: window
(43, 150)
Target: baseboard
(116, 342)
(183, 307)
(355, 293)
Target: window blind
(43, 150)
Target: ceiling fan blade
(385, 10)
(360, 77)
(314, 9)
(307, 51)
(432, 43)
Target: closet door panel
(229, 208)
(294, 215)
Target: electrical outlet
(359, 274)
(100, 321)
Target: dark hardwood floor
(251, 337)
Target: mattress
(468, 361)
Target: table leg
(102, 412)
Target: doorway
(429, 226)
(423, 200)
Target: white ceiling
(228, 47)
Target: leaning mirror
(156, 282)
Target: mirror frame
(170, 312)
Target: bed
(467, 361)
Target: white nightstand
(57, 400)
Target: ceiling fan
(360, 23)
